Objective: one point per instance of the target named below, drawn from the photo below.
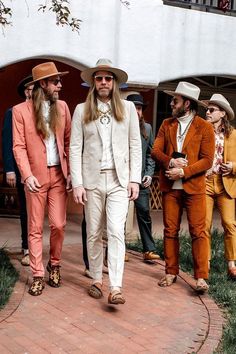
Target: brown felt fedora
(45, 70)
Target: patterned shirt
(219, 154)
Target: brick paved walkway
(66, 320)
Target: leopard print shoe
(54, 275)
(37, 286)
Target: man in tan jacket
(105, 162)
(184, 148)
(221, 177)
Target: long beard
(52, 97)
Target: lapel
(173, 133)
(191, 132)
(31, 111)
(225, 149)
(98, 125)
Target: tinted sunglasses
(99, 78)
(211, 110)
(55, 81)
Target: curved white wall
(152, 42)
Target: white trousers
(108, 203)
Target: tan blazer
(199, 148)
(28, 146)
(86, 148)
(230, 155)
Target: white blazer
(86, 148)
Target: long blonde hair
(54, 113)
(91, 112)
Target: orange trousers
(54, 195)
(216, 194)
(195, 204)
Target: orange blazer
(28, 145)
(199, 148)
(229, 181)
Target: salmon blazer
(229, 181)
(198, 146)
(28, 146)
(86, 148)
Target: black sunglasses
(211, 110)
(55, 81)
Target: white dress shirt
(53, 158)
(105, 120)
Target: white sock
(231, 264)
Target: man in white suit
(105, 162)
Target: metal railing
(204, 5)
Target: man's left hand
(146, 181)
(174, 174)
(226, 168)
(133, 190)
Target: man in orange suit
(184, 148)
(220, 178)
(41, 133)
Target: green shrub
(8, 277)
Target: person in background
(13, 177)
(221, 177)
(105, 151)
(41, 136)
(148, 167)
(184, 148)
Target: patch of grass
(8, 277)
(221, 289)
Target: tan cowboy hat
(187, 90)
(104, 65)
(222, 102)
(45, 70)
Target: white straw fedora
(104, 65)
(222, 102)
(187, 90)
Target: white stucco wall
(152, 42)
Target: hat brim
(138, 103)
(22, 85)
(47, 76)
(87, 74)
(174, 93)
(225, 107)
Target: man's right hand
(32, 184)
(79, 194)
(180, 162)
(11, 179)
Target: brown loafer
(54, 279)
(37, 286)
(95, 291)
(150, 256)
(201, 286)
(116, 298)
(232, 273)
(25, 261)
(167, 280)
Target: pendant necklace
(104, 117)
(181, 136)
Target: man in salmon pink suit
(41, 134)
